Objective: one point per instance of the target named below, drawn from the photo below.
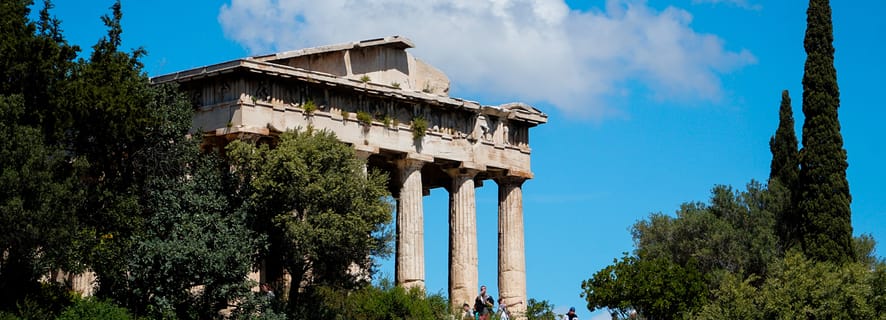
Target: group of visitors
(484, 306)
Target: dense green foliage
(540, 310)
(784, 172)
(825, 228)
(192, 235)
(37, 177)
(799, 288)
(656, 288)
(381, 302)
(310, 197)
(93, 309)
(720, 261)
(37, 224)
(679, 259)
(98, 173)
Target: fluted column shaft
(463, 276)
(410, 264)
(511, 254)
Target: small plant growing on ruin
(364, 117)
(395, 84)
(396, 123)
(419, 126)
(345, 115)
(254, 100)
(387, 121)
(427, 88)
(230, 124)
(309, 107)
(365, 78)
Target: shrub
(419, 127)
(384, 301)
(309, 107)
(364, 117)
(91, 308)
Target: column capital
(510, 180)
(465, 173)
(409, 164)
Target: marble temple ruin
(395, 111)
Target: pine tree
(784, 172)
(823, 198)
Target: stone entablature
(396, 112)
(260, 97)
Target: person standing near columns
(503, 313)
(480, 305)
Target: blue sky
(651, 103)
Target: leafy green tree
(784, 172)
(825, 230)
(733, 233)
(800, 288)
(878, 289)
(736, 298)
(680, 261)
(35, 61)
(655, 288)
(110, 101)
(194, 251)
(36, 194)
(320, 212)
(540, 310)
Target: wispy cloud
(738, 3)
(583, 62)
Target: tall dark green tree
(38, 190)
(784, 172)
(825, 230)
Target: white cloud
(583, 62)
(738, 3)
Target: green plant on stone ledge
(365, 79)
(387, 121)
(395, 84)
(309, 107)
(345, 115)
(364, 117)
(419, 127)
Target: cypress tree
(784, 172)
(825, 231)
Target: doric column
(463, 277)
(410, 265)
(511, 254)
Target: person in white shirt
(503, 313)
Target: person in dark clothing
(571, 314)
(481, 307)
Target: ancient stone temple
(395, 111)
